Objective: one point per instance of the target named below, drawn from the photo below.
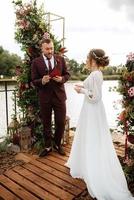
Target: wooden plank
(59, 174)
(45, 178)
(30, 186)
(53, 179)
(37, 181)
(117, 147)
(67, 146)
(55, 165)
(7, 195)
(57, 155)
(67, 150)
(67, 153)
(56, 160)
(26, 157)
(119, 150)
(18, 190)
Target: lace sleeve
(94, 95)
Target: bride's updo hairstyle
(99, 56)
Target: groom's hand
(45, 79)
(57, 79)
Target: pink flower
(22, 11)
(131, 91)
(130, 56)
(23, 24)
(46, 35)
(27, 7)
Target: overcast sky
(107, 24)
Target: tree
(1, 50)
(8, 62)
(73, 66)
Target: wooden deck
(41, 178)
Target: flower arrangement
(30, 29)
(126, 88)
(126, 118)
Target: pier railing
(4, 83)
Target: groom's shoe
(59, 149)
(45, 152)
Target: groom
(49, 73)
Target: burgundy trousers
(59, 109)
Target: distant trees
(8, 62)
(79, 71)
(76, 68)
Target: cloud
(123, 30)
(126, 5)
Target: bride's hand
(77, 89)
(80, 86)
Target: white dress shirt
(46, 61)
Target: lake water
(74, 103)
(111, 102)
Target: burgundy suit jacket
(46, 92)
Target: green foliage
(4, 144)
(1, 50)
(128, 167)
(39, 144)
(129, 172)
(126, 89)
(73, 66)
(108, 70)
(111, 77)
(8, 62)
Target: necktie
(49, 65)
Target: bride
(93, 157)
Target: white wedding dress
(93, 157)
